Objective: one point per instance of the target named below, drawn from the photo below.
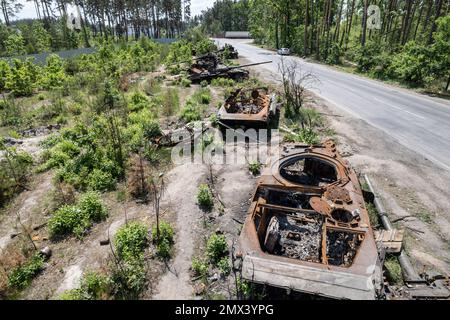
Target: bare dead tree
(157, 189)
(295, 83)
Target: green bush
(22, 77)
(54, 76)
(92, 206)
(131, 241)
(165, 241)
(4, 74)
(204, 197)
(191, 112)
(222, 82)
(138, 101)
(68, 220)
(93, 286)
(185, 83)
(22, 276)
(199, 267)
(224, 266)
(76, 219)
(204, 84)
(99, 180)
(129, 280)
(152, 130)
(216, 247)
(254, 167)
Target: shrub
(92, 206)
(199, 267)
(99, 180)
(165, 241)
(255, 167)
(204, 197)
(224, 266)
(54, 75)
(68, 220)
(129, 280)
(204, 84)
(138, 101)
(185, 83)
(131, 241)
(21, 78)
(93, 286)
(170, 102)
(216, 247)
(21, 277)
(152, 130)
(191, 112)
(4, 73)
(222, 82)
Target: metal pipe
(409, 273)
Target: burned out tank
(252, 108)
(307, 228)
(237, 73)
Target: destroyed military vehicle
(252, 108)
(198, 73)
(308, 230)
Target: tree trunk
(364, 25)
(436, 16)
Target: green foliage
(14, 168)
(186, 83)
(22, 276)
(92, 206)
(307, 135)
(129, 280)
(216, 248)
(100, 180)
(21, 79)
(68, 220)
(15, 45)
(394, 270)
(204, 197)
(202, 96)
(93, 286)
(170, 102)
(204, 84)
(255, 167)
(152, 130)
(191, 112)
(4, 73)
(138, 101)
(76, 219)
(222, 82)
(54, 76)
(131, 240)
(224, 266)
(199, 267)
(414, 64)
(165, 241)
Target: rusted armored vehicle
(198, 74)
(248, 108)
(308, 230)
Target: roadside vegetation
(411, 45)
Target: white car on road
(284, 51)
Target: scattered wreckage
(308, 230)
(249, 108)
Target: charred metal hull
(308, 230)
(242, 110)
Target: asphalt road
(417, 121)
